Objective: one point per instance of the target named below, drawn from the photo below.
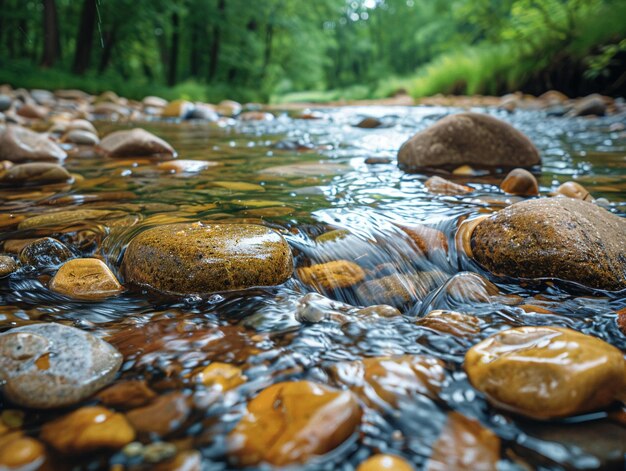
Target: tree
(84, 40)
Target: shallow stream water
(304, 178)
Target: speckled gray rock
(52, 365)
(19, 144)
(134, 143)
(472, 139)
(204, 258)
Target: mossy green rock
(203, 258)
(562, 238)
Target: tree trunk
(84, 41)
(215, 44)
(52, 45)
(110, 39)
(194, 51)
(172, 73)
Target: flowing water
(304, 178)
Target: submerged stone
(291, 422)
(134, 143)
(52, 365)
(546, 372)
(468, 139)
(562, 238)
(45, 252)
(328, 276)
(385, 463)
(34, 173)
(204, 258)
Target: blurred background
(314, 50)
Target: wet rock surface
(7, 265)
(468, 139)
(45, 252)
(199, 258)
(546, 372)
(134, 143)
(288, 423)
(19, 144)
(34, 173)
(554, 238)
(85, 278)
(52, 365)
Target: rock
(5, 103)
(81, 137)
(45, 252)
(546, 372)
(398, 290)
(621, 320)
(7, 265)
(452, 323)
(378, 160)
(85, 278)
(369, 123)
(134, 143)
(204, 258)
(107, 97)
(81, 125)
(32, 111)
(19, 144)
(332, 236)
(20, 452)
(127, 394)
(291, 422)
(389, 379)
(560, 238)
(520, 182)
(204, 112)
(68, 218)
(464, 445)
(590, 105)
(256, 116)
(378, 310)
(228, 108)
(52, 365)
(427, 239)
(328, 276)
(162, 416)
(446, 187)
(468, 139)
(88, 429)
(109, 110)
(35, 173)
(71, 94)
(313, 308)
(574, 190)
(553, 97)
(385, 463)
(221, 376)
(177, 109)
(154, 102)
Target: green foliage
(313, 50)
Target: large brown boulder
(560, 237)
(468, 139)
(203, 258)
(19, 144)
(134, 143)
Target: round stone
(546, 372)
(333, 275)
(204, 258)
(19, 144)
(52, 365)
(520, 182)
(85, 278)
(385, 463)
(562, 238)
(45, 252)
(81, 137)
(7, 265)
(134, 143)
(472, 139)
(291, 422)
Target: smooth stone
(329, 276)
(385, 463)
(52, 365)
(446, 187)
(7, 265)
(369, 123)
(88, 429)
(291, 422)
(68, 218)
(228, 108)
(107, 97)
(33, 173)
(378, 310)
(32, 111)
(592, 105)
(332, 236)
(256, 116)
(81, 137)
(464, 445)
(574, 190)
(468, 139)
(221, 376)
(19, 144)
(385, 380)
(134, 143)
(562, 238)
(428, 240)
(546, 372)
(162, 416)
(520, 182)
(177, 109)
(18, 452)
(452, 323)
(398, 290)
(5, 102)
(127, 394)
(204, 258)
(313, 308)
(203, 112)
(45, 252)
(85, 278)
(154, 102)
(81, 125)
